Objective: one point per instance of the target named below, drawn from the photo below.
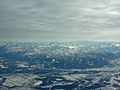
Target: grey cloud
(60, 19)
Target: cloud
(60, 19)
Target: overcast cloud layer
(60, 19)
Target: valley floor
(63, 79)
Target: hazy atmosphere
(59, 19)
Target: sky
(60, 20)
